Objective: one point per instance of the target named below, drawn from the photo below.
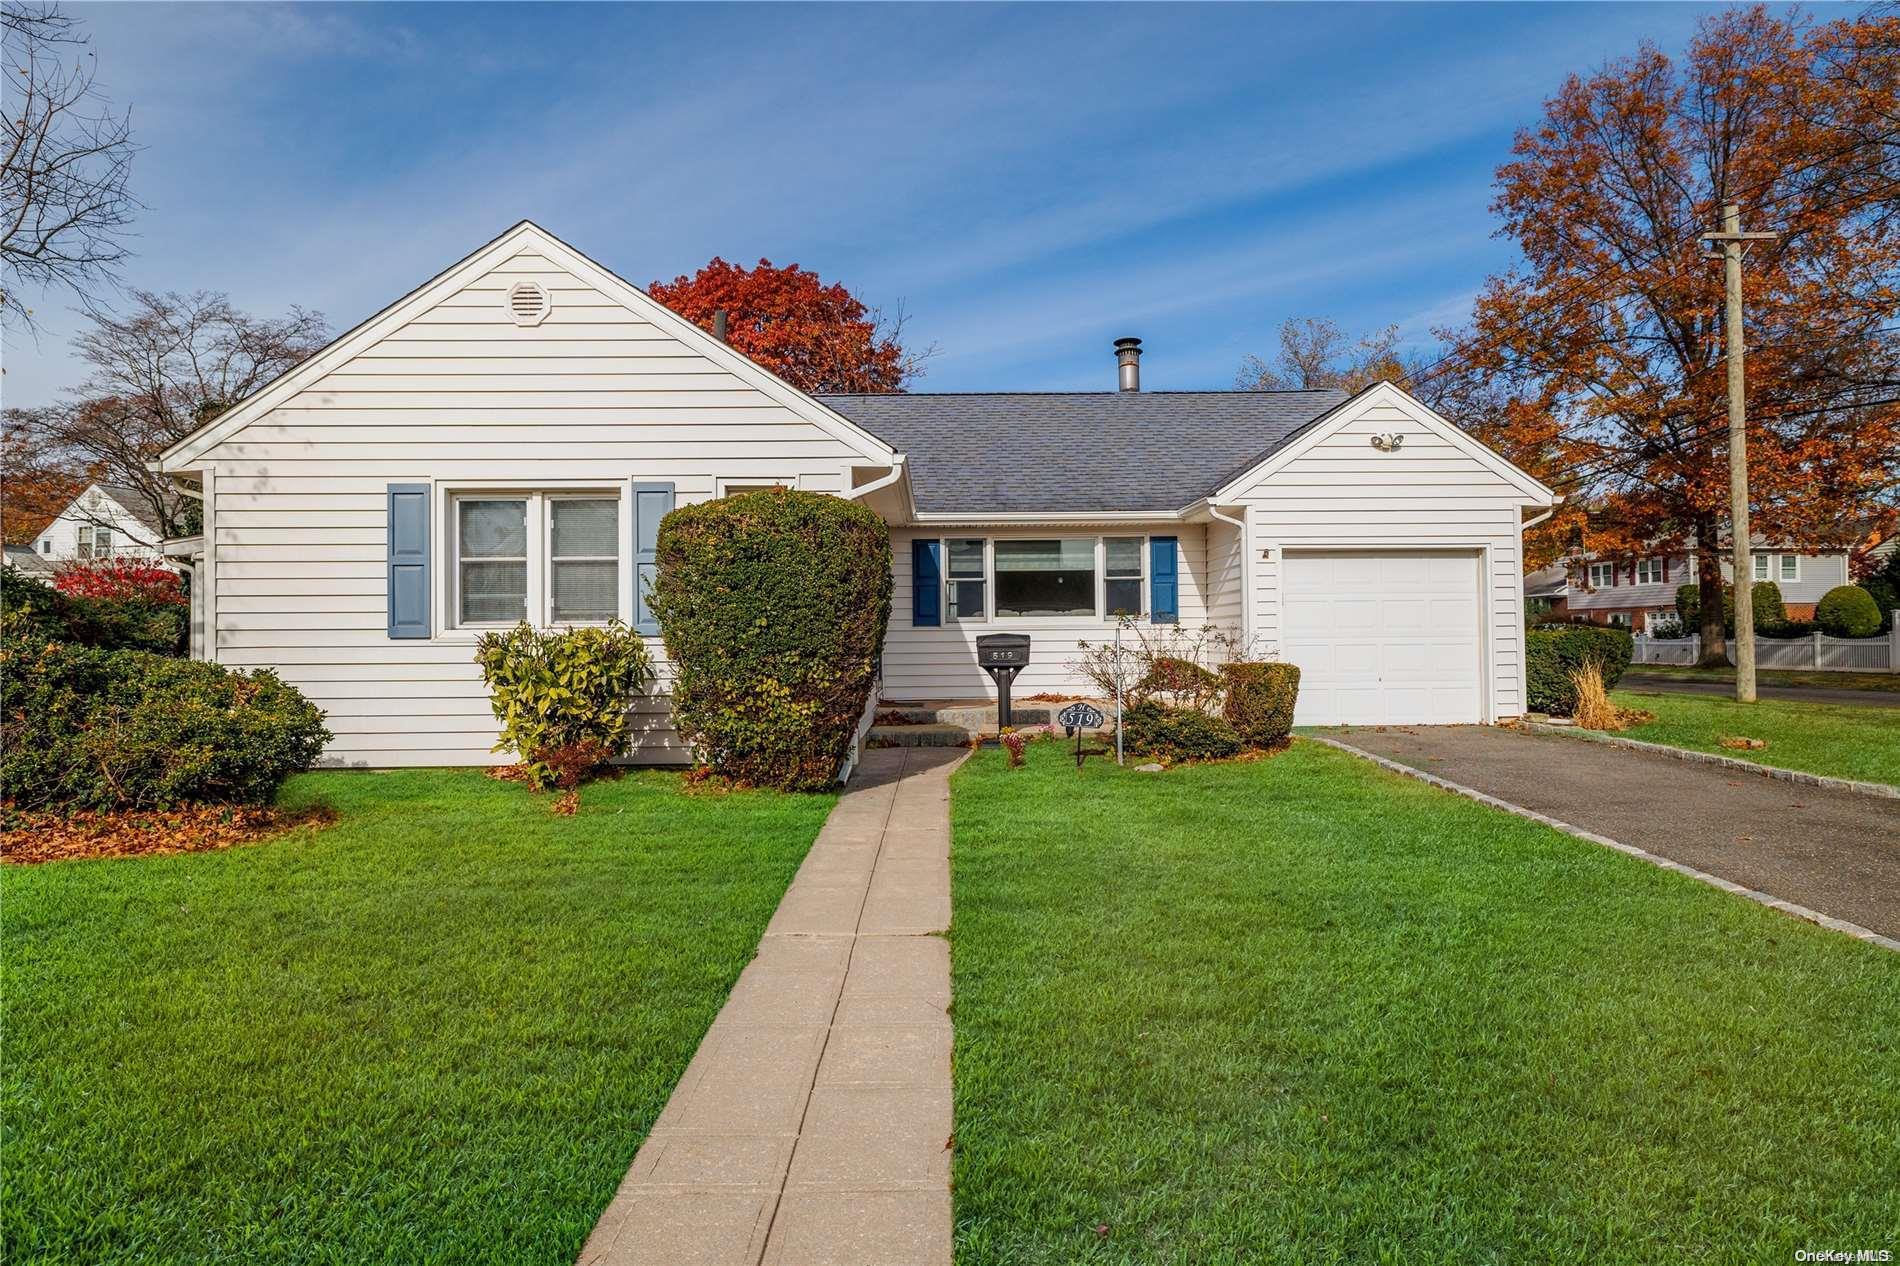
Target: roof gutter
(1050, 516)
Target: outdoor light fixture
(1389, 442)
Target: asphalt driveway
(1831, 851)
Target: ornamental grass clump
(564, 697)
(773, 605)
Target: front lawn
(1821, 738)
(436, 1031)
(1797, 677)
(1303, 1010)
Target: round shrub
(773, 605)
(1847, 611)
(1551, 655)
(91, 729)
(1260, 699)
(564, 698)
(1177, 734)
(1771, 613)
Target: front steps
(954, 724)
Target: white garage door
(1383, 638)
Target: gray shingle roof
(1003, 452)
(136, 503)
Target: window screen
(492, 546)
(584, 559)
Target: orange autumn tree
(1599, 363)
(817, 337)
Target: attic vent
(528, 303)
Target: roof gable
(524, 237)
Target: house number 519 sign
(1076, 718)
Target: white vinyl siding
(594, 397)
(940, 663)
(1432, 494)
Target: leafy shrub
(120, 579)
(564, 698)
(91, 729)
(1260, 699)
(1771, 613)
(774, 606)
(1886, 596)
(1669, 626)
(1847, 611)
(1552, 655)
(1689, 607)
(1795, 628)
(1177, 734)
(130, 623)
(1159, 663)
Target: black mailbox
(1002, 656)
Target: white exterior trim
(185, 452)
(1384, 393)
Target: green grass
(1304, 1010)
(435, 1032)
(1821, 738)
(1780, 677)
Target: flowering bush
(122, 579)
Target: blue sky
(1027, 182)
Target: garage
(1384, 637)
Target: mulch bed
(26, 838)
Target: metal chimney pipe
(1128, 363)
(719, 325)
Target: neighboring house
(1638, 593)
(502, 442)
(104, 521)
(24, 558)
(1547, 592)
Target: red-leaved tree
(122, 578)
(815, 336)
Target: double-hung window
(1121, 565)
(965, 574)
(1649, 571)
(1779, 566)
(550, 558)
(1602, 575)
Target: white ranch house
(502, 441)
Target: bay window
(551, 558)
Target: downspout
(1246, 577)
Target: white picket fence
(1836, 654)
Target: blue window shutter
(651, 503)
(409, 560)
(926, 583)
(1164, 582)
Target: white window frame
(1649, 571)
(1790, 567)
(991, 615)
(538, 605)
(1776, 567)
(1602, 569)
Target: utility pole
(1732, 238)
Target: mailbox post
(1002, 656)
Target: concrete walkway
(813, 1126)
(1831, 851)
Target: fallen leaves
(1736, 742)
(49, 837)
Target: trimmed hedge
(1764, 599)
(564, 698)
(773, 605)
(1177, 734)
(1551, 655)
(91, 729)
(110, 624)
(1847, 611)
(1260, 700)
